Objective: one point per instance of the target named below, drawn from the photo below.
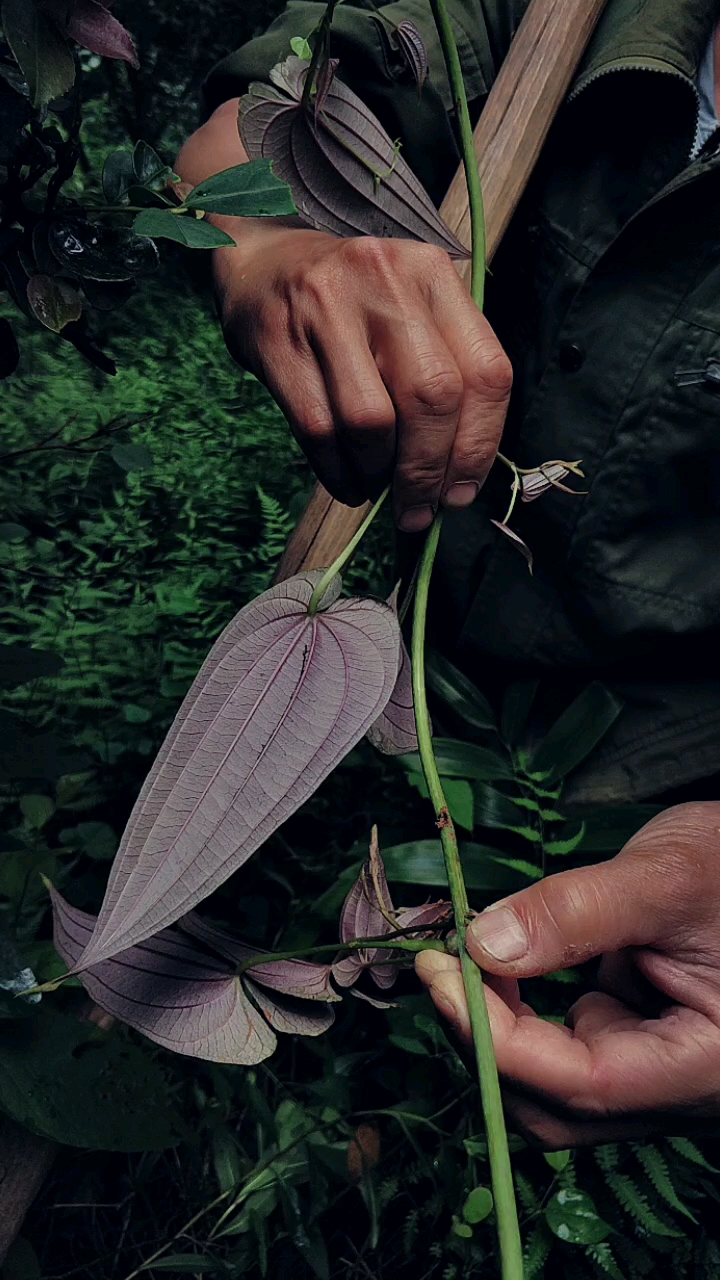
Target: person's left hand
(642, 1052)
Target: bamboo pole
(509, 136)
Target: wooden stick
(509, 136)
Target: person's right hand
(381, 362)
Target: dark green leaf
(457, 759)
(192, 232)
(132, 457)
(37, 810)
(558, 1160)
(147, 199)
(147, 165)
(608, 829)
(494, 809)
(61, 1080)
(572, 1216)
(246, 191)
(99, 252)
(576, 732)
(136, 715)
(516, 708)
(118, 175)
(521, 866)
(458, 794)
(11, 532)
(478, 1205)
(44, 57)
(96, 839)
(53, 302)
(460, 694)
(421, 862)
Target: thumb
(652, 889)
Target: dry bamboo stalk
(509, 135)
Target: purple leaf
(323, 81)
(535, 483)
(362, 917)
(412, 47)
(186, 1000)
(430, 914)
(345, 173)
(394, 732)
(514, 537)
(89, 23)
(279, 701)
(171, 990)
(291, 977)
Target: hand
(379, 359)
(642, 1053)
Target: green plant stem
(511, 1260)
(467, 147)
(344, 556)
(381, 943)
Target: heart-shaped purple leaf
(394, 732)
(182, 997)
(365, 915)
(299, 978)
(345, 173)
(279, 701)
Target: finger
(363, 413)
(542, 1127)
(487, 381)
(442, 976)
(426, 387)
(568, 918)
(293, 377)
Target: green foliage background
(137, 514)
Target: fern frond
(635, 1203)
(410, 1231)
(602, 1256)
(526, 1193)
(658, 1173)
(687, 1149)
(537, 1250)
(608, 1157)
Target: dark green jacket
(607, 284)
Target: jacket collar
(650, 35)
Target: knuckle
(367, 419)
(421, 475)
(438, 390)
(494, 373)
(314, 424)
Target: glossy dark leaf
(93, 27)
(9, 349)
(412, 47)
(247, 191)
(421, 862)
(609, 828)
(43, 54)
(344, 171)
(460, 694)
(494, 809)
(118, 175)
(58, 1079)
(106, 295)
(193, 233)
(577, 732)
(148, 168)
(279, 701)
(516, 707)
(101, 253)
(53, 302)
(456, 759)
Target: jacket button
(571, 357)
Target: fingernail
(500, 934)
(461, 494)
(415, 519)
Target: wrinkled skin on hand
(381, 362)
(641, 1053)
